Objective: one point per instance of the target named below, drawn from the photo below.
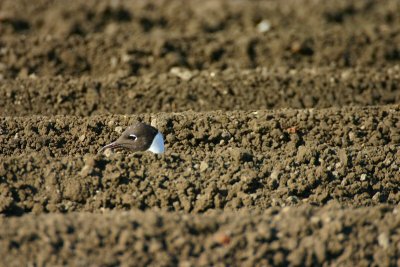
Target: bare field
(282, 145)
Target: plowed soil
(281, 121)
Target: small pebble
(203, 166)
(264, 26)
(82, 138)
(183, 74)
(275, 175)
(383, 240)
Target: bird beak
(111, 146)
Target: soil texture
(281, 122)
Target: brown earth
(295, 236)
(202, 91)
(282, 145)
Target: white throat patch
(157, 146)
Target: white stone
(264, 26)
(182, 73)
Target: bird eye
(132, 137)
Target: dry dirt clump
(281, 122)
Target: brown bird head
(139, 137)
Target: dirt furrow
(258, 131)
(297, 236)
(128, 55)
(182, 90)
(227, 179)
(102, 40)
(143, 18)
